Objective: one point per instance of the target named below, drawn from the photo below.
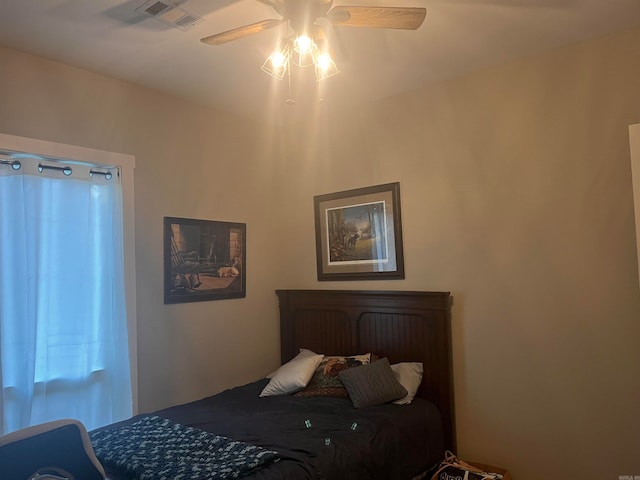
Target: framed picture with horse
(359, 234)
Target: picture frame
(359, 234)
(204, 260)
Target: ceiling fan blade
(277, 5)
(240, 32)
(405, 18)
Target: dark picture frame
(359, 234)
(204, 260)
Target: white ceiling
(457, 37)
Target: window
(65, 296)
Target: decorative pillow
(293, 375)
(409, 374)
(325, 382)
(372, 384)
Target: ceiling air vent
(170, 13)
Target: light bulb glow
(303, 44)
(277, 59)
(324, 61)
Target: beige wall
(516, 197)
(190, 162)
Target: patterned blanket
(155, 448)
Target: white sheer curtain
(63, 325)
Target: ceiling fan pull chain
(289, 100)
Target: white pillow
(409, 374)
(303, 353)
(293, 375)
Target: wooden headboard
(402, 326)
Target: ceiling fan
(302, 15)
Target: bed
(297, 437)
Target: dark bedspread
(320, 438)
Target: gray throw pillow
(372, 384)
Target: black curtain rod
(15, 164)
(106, 174)
(66, 169)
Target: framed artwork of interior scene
(204, 260)
(359, 234)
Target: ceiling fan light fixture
(301, 15)
(277, 63)
(304, 49)
(325, 66)
(301, 51)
